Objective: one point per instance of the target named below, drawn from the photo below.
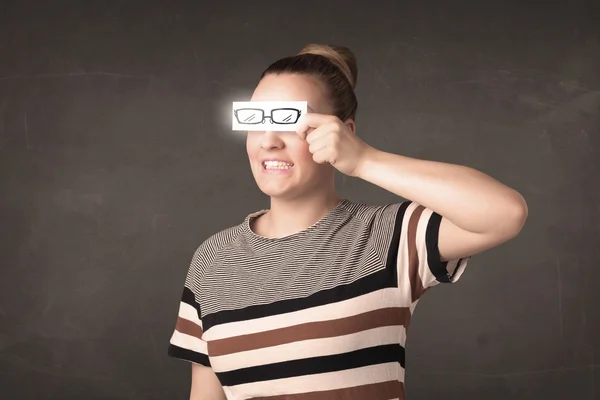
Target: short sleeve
(187, 341)
(418, 261)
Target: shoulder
(216, 242)
(210, 249)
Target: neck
(289, 216)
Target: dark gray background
(117, 161)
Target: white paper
(280, 116)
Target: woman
(312, 298)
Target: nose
(271, 140)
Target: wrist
(368, 158)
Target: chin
(280, 193)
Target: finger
(317, 146)
(315, 120)
(302, 127)
(311, 120)
(320, 157)
(316, 134)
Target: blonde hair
(342, 57)
(335, 66)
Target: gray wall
(116, 162)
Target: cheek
(299, 151)
(305, 159)
(252, 145)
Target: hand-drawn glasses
(251, 116)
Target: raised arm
(478, 212)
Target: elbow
(510, 216)
(516, 215)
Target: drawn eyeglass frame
(286, 119)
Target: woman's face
(300, 174)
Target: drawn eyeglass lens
(247, 116)
(285, 116)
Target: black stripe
(392, 257)
(436, 266)
(188, 297)
(370, 283)
(315, 365)
(188, 355)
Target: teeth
(277, 165)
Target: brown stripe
(416, 283)
(313, 330)
(188, 327)
(375, 391)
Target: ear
(351, 124)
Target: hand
(332, 141)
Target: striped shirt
(320, 314)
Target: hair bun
(340, 56)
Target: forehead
(292, 87)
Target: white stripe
(318, 382)
(413, 306)
(369, 302)
(189, 342)
(426, 276)
(402, 263)
(311, 348)
(188, 312)
(458, 268)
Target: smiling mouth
(276, 165)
